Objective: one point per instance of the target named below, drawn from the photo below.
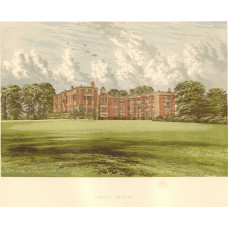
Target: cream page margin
(126, 192)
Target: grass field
(86, 148)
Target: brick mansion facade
(87, 103)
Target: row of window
(103, 100)
(141, 106)
(73, 97)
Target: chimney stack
(92, 84)
(72, 87)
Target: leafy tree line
(194, 104)
(29, 102)
(137, 90)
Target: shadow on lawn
(107, 156)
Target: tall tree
(14, 101)
(216, 102)
(141, 89)
(46, 99)
(38, 100)
(4, 102)
(29, 97)
(190, 99)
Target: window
(139, 106)
(147, 114)
(103, 108)
(138, 99)
(132, 115)
(103, 100)
(167, 97)
(152, 106)
(115, 114)
(115, 108)
(132, 107)
(153, 114)
(63, 100)
(115, 101)
(167, 106)
(88, 97)
(147, 98)
(70, 109)
(76, 108)
(104, 114)
(74, 97)
(147, 106)
(122, 114)
(90, 108)
(122, 108)
(122, 101)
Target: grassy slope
(113, 148)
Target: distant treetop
(141, 89)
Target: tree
(113, 91)
(123, 93)
(30, 96)
(45, 100)
(95, 113)
(38, 100)
(4, 110)
(118, 92)
(190, 99)
(81, 112)
(14, 101)
(141, 89)
(216, 102)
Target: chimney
(72, 87)
(92, 84)
(169, 90)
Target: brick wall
(145, 106)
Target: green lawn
(86, 148)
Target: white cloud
(135, 63)
(26, 65)
(70, 71)
(206, 62)
(30, 68)
(142, 64)
(102, 74)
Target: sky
(119, 55)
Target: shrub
(214, 120)
(58, 115)
(169, 118)
(158, 118)
(187, 118)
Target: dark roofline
(78, 87)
